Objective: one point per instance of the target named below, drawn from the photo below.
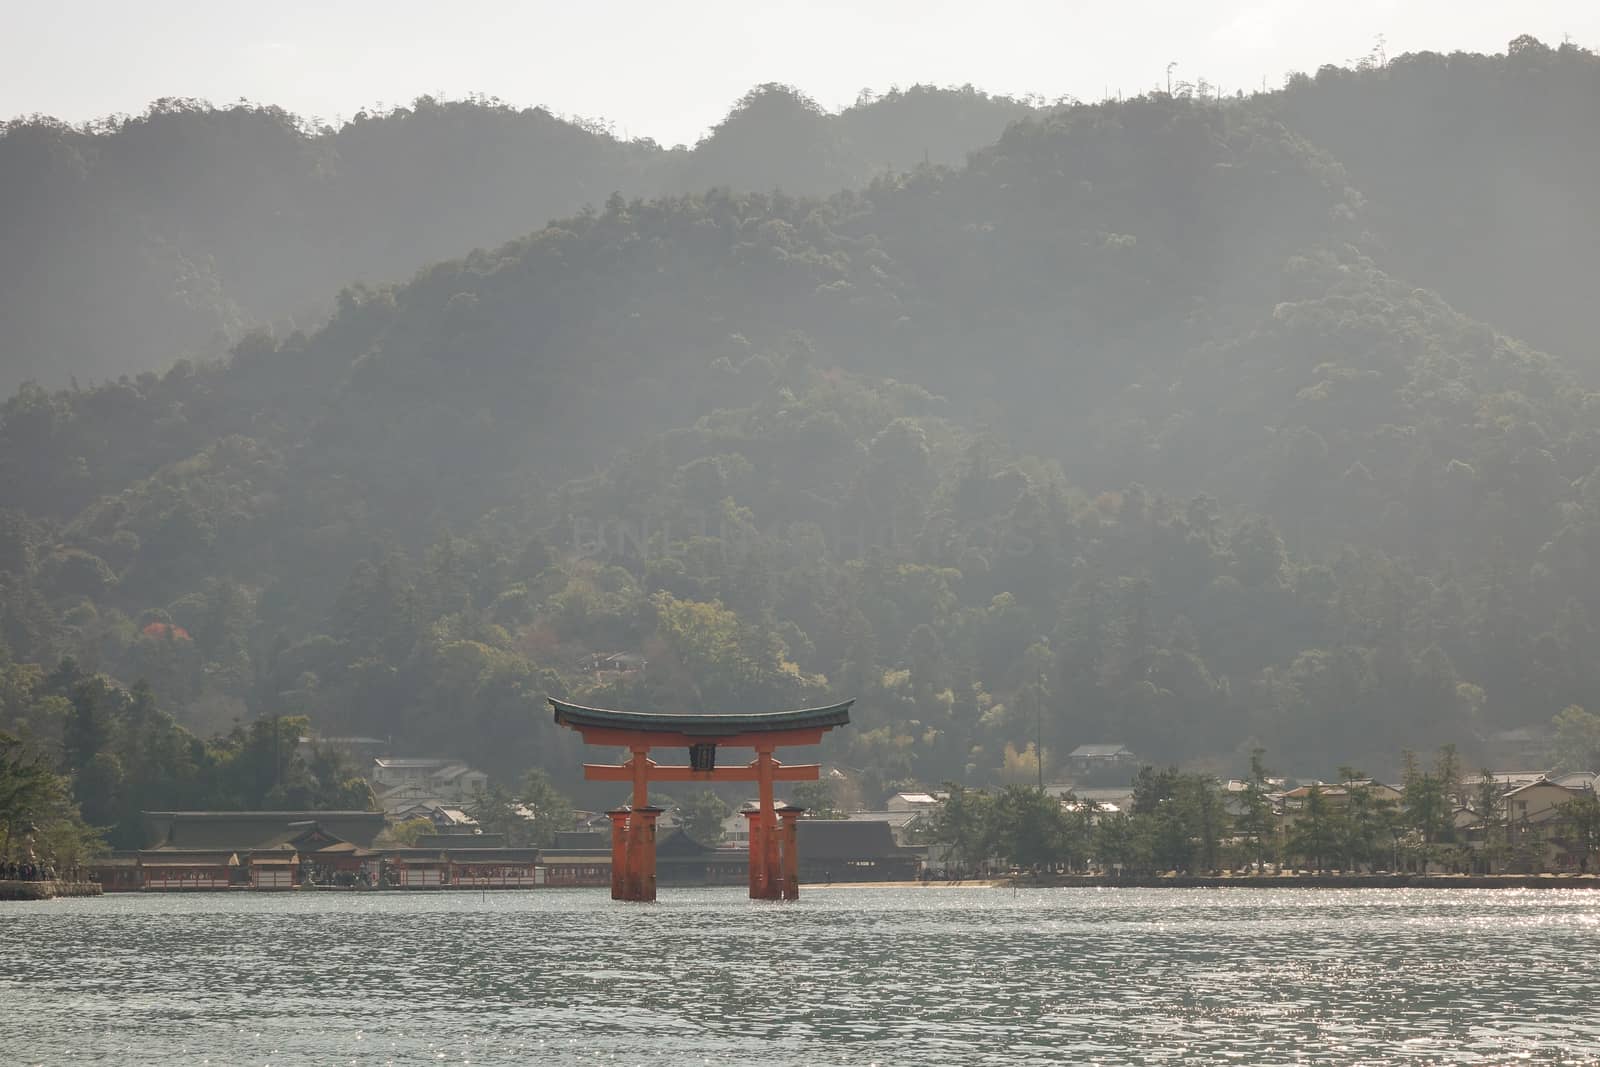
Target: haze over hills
(141, 240)
(1471, 167)
(1157, 421)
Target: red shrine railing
(774, 861)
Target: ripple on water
(960, 977)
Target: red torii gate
(774, 861)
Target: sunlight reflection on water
(858, 976)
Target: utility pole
(1038, 741)
(1038, 726)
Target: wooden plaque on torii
(774, 862)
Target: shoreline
(1268, 881)
(13, 889)
(1311, 881)
(965, 883)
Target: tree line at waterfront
(1190, 823)
(81, 757)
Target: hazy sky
(669, 70)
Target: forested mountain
(1139, 426)
(130, 243)
(1473, 167)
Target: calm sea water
(849, 976)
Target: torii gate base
(774, 831)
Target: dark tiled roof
(1099, 750)
(679, 843)
(455, 841)
(493, 855)
(186, 865)
(723, 857)
(1541, 780)
(698, 725)
(840, 839)
(187, 857)
(255, 829)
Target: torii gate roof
(702, 727)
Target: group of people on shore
(26, 871)
(330, 878)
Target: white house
(1533, 818)
(446, 779)
(911, 802)
(1102, 763)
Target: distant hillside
(140, 241)
(1477, 170)
(1129, 429)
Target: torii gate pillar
(789, 850)
(619, 853)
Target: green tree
(1391, 828)
(35, 798)
(1580, 827)
(98, 786)
(405, 834)
(498, 812)
(1181, 816)
(28, 788)
(336, 782)
(1078, 820)
(1118, 845)
(702, 814)
(1577, 740)
(1314, 837)
(1030, 827)
(1490, 807)
(1256, 821)
(1151, 788)
(733, 662)
(89, 726)
(1426, 807)
(549, 809)
(1447, 769)
(817, 798)
(966, 826)
(1202, 801)
(1361, 824)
